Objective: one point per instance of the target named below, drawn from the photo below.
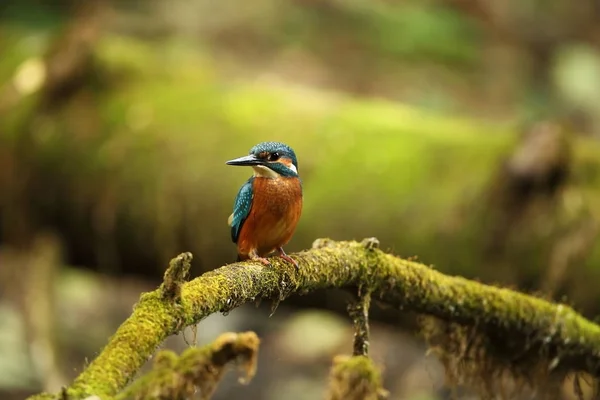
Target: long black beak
(246, 160)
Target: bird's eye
(274, 156)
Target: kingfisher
(267, 208)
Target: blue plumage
(241, 209)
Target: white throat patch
(264, 172)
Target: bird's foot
(287, 258)
(262, 260)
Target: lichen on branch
(526, 322)
(197, 370)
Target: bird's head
(270, 160)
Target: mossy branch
(571, 341)
(199, 369)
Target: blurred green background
(463, 132)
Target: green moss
(197, 371)
(355, 378)
(486, 361)
(45, 396)
(153, 319)
(175, 276)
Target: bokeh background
(462, 132)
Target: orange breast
(275, 211)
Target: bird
(268, 206)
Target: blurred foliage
(168, 118)
(172, 89)
(410, 30)
(403, 115)
(165, 114)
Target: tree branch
(570, 341)
(199, 369)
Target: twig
(359, 312)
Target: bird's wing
(241, 209)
